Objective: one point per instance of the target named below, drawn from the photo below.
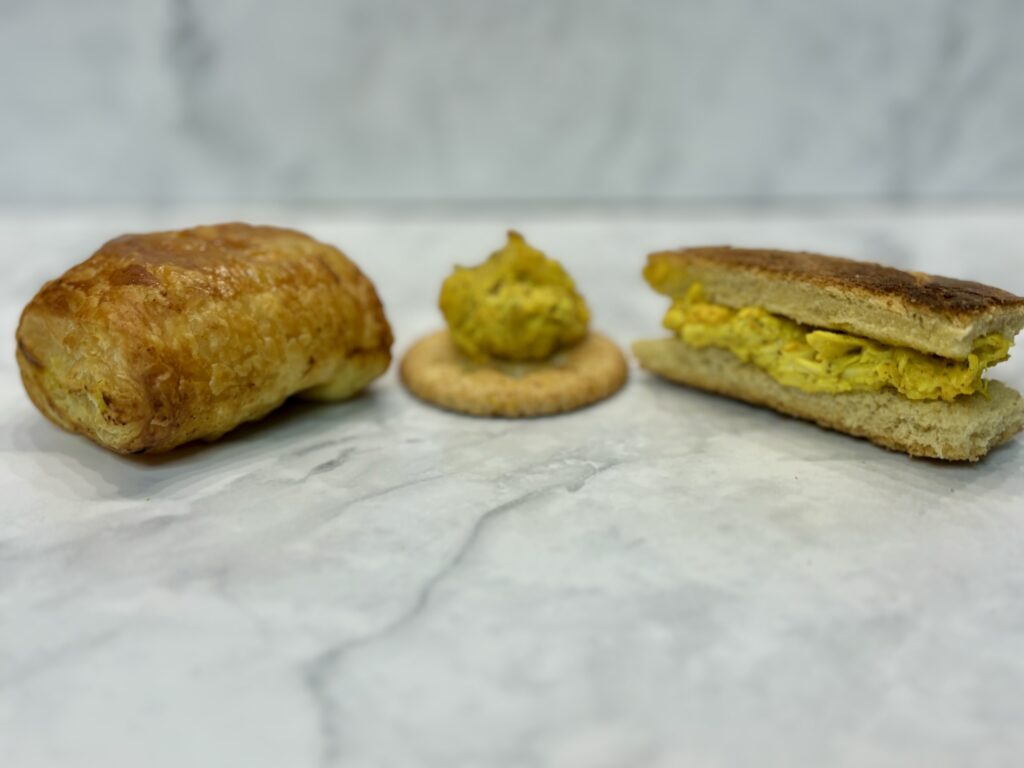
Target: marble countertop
(664, 579)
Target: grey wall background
(297, 100)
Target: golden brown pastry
(164, 338)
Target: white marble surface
(666, 579)
(461, 99)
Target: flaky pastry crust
(164, 338)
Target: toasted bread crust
(937, 315)
(944, 295)
(164, 338)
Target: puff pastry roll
(164, 338)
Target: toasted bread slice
(964, 429)
(937, 315)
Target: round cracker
(436, 371)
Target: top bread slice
(936, 315)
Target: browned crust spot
(436, 371)
(29, 357)
(939, 294)
(195, 247)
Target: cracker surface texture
(437, 372)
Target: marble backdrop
(298, 100)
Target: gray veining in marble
(454, 99)
(666, 579)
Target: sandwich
(896, 357)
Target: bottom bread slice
(964, 429)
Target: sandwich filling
(518, 305)
(817, 360)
